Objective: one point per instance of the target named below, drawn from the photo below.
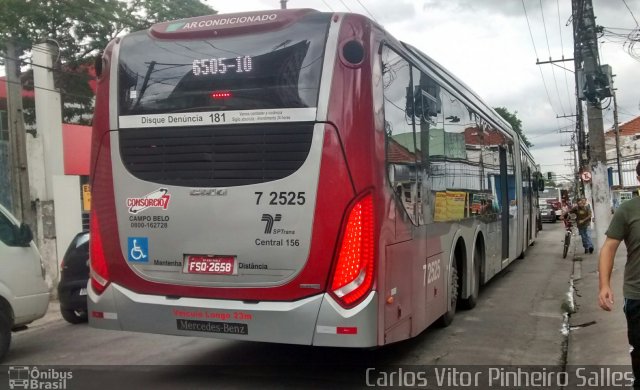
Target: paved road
(518, 321)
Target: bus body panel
(265, 228)
(334, 195)
(334, 187)
(351, 90)
(315, 320)
(292, 301)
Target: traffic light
(549, 176)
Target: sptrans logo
(158, 198)
(34, 378)
(270, 219)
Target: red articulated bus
(297, 177)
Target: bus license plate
(210, 265)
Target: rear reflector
(337, 329)
(353, 276)
(346, 330)
(104, 315)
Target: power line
(537, 57)
(50, 90)
(632, 15)
(618, 28)
(546, 36)
(327, 4)
(530, 33)
(365, 8)
(25, 62)
(566, 81)
(346, 6)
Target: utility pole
(594, 90)
(617, 130)
(17, 139)
(283, 4)
(577, 65)
(576, 167)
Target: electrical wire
(25, 62)
(566, 81)
(51, 90)
(346, 6)
(530, 33)
(328, 6)
(632, 15)
(544, 83)
(555, 80)
(365, 8)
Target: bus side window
(426, 106)
(401, 146)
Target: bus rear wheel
(452, 296)
(471, 301)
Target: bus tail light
(99, 272)
(353, 275)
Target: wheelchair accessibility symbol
(138, 249)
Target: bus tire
(525, 245)
(472, 300)
(74, 316)
(452, 296)
(5, 335)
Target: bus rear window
(275, 69)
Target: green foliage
(81, 29)
(515, 123)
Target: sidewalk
(597, 337)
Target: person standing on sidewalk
(625, 225)
(583, 220)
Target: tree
(515, 123)
(81, 29)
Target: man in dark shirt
(625, 225)
(583, 220)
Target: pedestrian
(625, 225)
(583, 220)
(513, 208)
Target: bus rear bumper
(316, 320)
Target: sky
(493, 47)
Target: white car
(24, 296)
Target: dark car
(72, 289)
(547, 213)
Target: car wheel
(74, 316)
(5, 335)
